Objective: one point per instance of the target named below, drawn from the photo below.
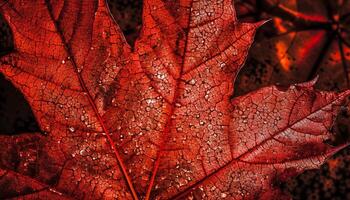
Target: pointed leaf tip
(310, 83)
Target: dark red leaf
(157, 121)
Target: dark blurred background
(303, 39)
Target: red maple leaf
(156, 121)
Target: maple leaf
(156, 121)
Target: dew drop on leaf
(71, 129)
(223, 195)
(192, 81)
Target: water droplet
(150, 101)
(222, 65)
(63, 61)
(223, 195)
(161, 76)
(178, 105)
(71, 129)
(192, 82)
(114, 102)
(234, 52)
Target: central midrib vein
(90, 99)
(169, 122)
